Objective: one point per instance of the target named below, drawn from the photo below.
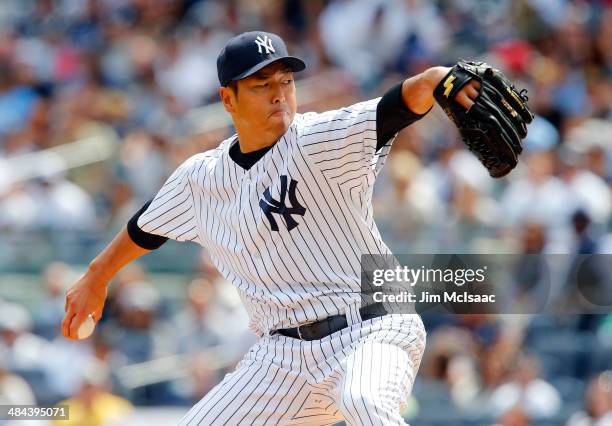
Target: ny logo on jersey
(269, 205)
(266, 43)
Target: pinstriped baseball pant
(361, 374)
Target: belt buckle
(299, 332)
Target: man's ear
(228, 98)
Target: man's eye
(287, 81)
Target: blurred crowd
(146, 351)
(134, 73)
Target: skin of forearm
(119, 252)
(417, 91)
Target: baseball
(86, 328)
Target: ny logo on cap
(266, 43)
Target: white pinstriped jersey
(290, 231)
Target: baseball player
(284, 208)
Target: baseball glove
(493, 128)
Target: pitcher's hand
(86, 296)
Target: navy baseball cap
(247, 53)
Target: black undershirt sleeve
(140, 237)
(392, 115)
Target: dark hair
(233, 85)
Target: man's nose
(278, 94)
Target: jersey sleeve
(350, 145)
(342, 143)
(172, 212)
(140, 237)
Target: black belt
(319, 329)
